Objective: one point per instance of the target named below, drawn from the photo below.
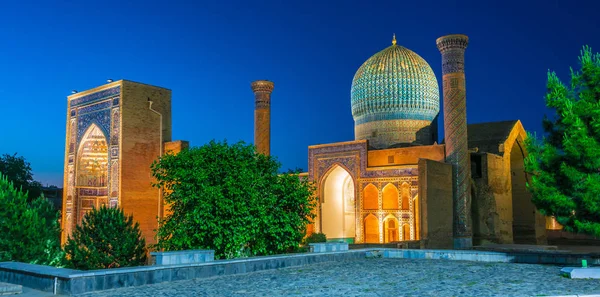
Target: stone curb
(9, 289)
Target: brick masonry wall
(141, 145)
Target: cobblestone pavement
(380, 277)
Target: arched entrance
(338, 206)
(92, 171)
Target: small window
(391, 159)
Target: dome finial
(394, 39)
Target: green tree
(29, 231)
(18, 171)
(565, 165)
(106, 238)
(230, 199)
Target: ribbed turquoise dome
(395, 87)
(395, 83)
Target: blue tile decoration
(95, 107)
(100, 118)
(98, 96)
(395, 83)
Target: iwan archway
(338, 213)
(92, 171)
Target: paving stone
(380, 277)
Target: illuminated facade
(394, 182)
(114, 132)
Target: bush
(106, 238)
(232, 200)
(315, 237)
(29, 231)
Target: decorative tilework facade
(114, 133)
(352, 157)
(452, 48)
(99, 109)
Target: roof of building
(488, 137)
(394, 84)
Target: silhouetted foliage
(18, 171)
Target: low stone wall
(39, 277)
(182, 257)
(68, 281)
(323, 247)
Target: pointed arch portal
(92, 171)
(338, 205)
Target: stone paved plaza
(380, 277)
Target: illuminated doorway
(338, 206)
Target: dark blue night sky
(208, 52)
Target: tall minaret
(262, 115)
(452, 48)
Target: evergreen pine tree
(565, 165)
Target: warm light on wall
(552, 224)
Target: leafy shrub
(29, 231)
(232, 200)
(315, 237)
(106, 238)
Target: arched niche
(406, 232)
(405, 188)
(391, 229)
(389, 197)
(417, 216)
(371, 228)
(370, 197)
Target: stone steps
(10, 289)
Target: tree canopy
(29, 230)
(18, 171)
(565, 164)
(233, 200)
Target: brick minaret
(452, 48)
(262, 115)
